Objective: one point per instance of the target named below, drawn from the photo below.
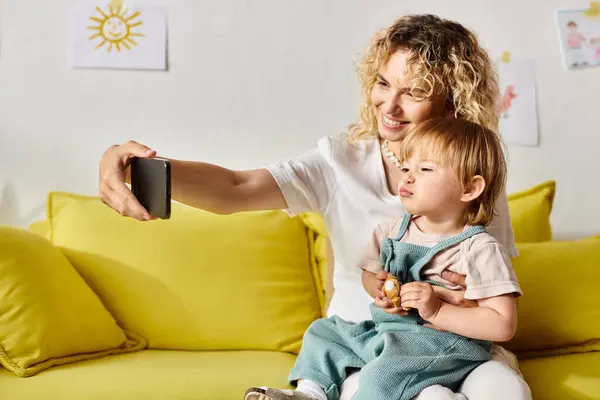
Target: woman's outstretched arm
(201, 185)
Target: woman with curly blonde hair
(419, 68)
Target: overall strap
(415, 270)
(404, 225)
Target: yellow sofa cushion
(48, 315)
(156, 374)
(41, 228)
(319, 262)
(567, 377)
(197, 281)
(530, 213)
(560, 308)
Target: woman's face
(397, 106)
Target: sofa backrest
(198, 281)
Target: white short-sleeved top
(346, 183)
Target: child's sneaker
(275, 394)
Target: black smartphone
(151, 185)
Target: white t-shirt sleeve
(489, 269)
(370, 260)
(307, 182)
(501, 226)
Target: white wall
(255, 81)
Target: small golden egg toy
(391, 289)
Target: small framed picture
(579, 35)
(517, 108)
(118, 35)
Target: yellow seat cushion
(48, 315)
(560, 308)
(156, 374)
(568, 377)
(197, 281)
(530, 212)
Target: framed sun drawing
(115, 27)
(118, 35)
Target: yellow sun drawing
(115, 28)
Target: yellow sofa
(202, 306)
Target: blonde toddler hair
(468, 149)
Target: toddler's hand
(420, 295)
(381, 277)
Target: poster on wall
(517, 107)
(118, 34)
(579, 35)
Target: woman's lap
(350, 386)
(495, 380)
(492, 378)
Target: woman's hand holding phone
(113, 172)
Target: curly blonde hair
(468, 149)
(445, 56)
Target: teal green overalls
(398, 357)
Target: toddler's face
(428, 188)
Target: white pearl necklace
(391, 156)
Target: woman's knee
(437, 392)
(495, 380)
